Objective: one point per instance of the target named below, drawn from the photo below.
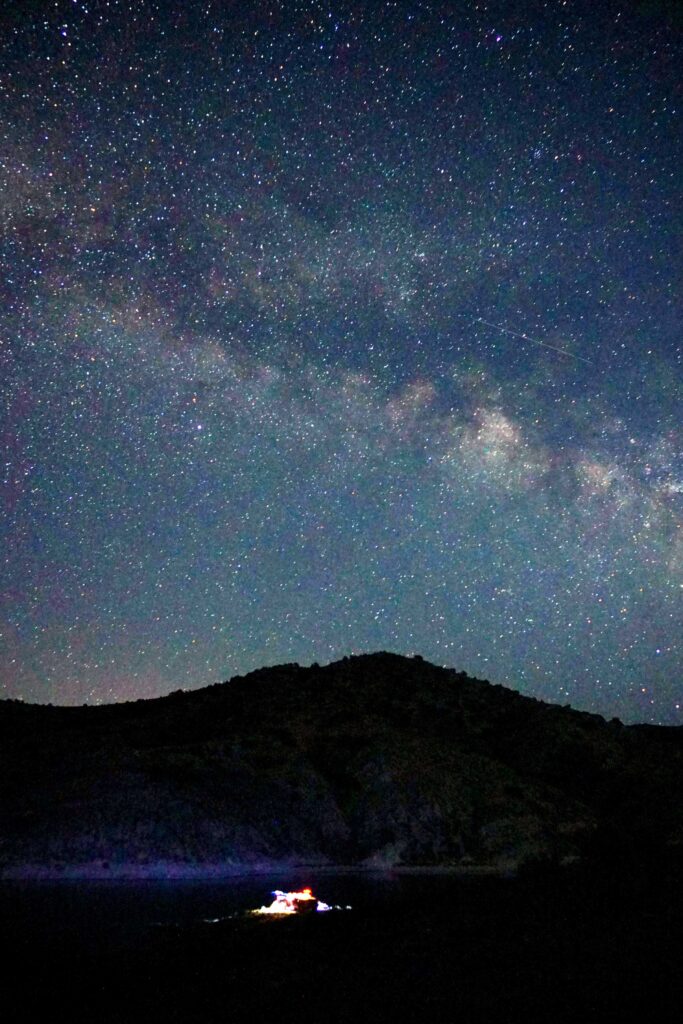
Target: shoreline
(170, 871)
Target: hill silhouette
(377, 760)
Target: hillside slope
(376, 759)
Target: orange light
(289, 902)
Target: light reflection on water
(110, 913)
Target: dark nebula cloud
(332, 328)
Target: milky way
(336, 328)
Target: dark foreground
(556, 948)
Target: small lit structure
(301, 902)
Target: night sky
(333, 328)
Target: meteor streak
(527, 337)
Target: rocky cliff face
(377, 759)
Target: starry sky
(330, 328)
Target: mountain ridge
(376, 759)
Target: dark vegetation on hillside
(377, 758)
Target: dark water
(417, 948)
(116, 913)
